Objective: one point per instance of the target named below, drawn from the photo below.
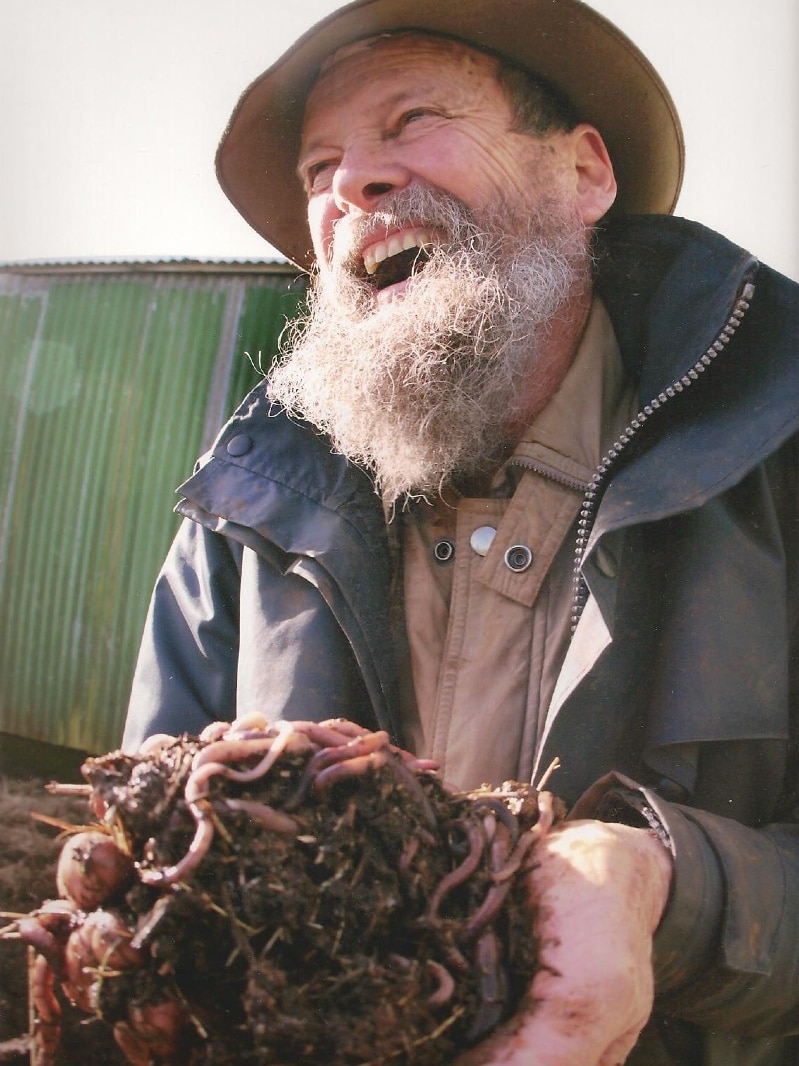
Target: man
(523, 486)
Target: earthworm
(47, 1013)
(198, 849)
(501, 813)
(153, 744)
(446, 984)
(271, 819)
(461, 872)
(500, 847)
(526, 841)
(408, 852)
(214, 731)
(488, 909)
(230, 749)
(492, 986)
(352, 767)
(326, 734)
(205, 766)
(254, 720)
(406, 777)
(363, 744)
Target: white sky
(110, 112)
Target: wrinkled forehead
(416, 44)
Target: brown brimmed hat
(610, 82)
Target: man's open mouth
(398, 257)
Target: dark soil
(347, 942)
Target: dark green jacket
(277, 592)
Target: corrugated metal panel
(112, 385)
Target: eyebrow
(391, 102)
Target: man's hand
(600, 890)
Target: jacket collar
(671, 287)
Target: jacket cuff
(689, 931)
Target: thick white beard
(424, 387)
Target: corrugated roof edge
(149, 266)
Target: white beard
(424, 387)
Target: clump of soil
(307, 894)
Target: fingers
(599, 891)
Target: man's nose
(365, 175)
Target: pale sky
(110, 112)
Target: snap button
(606, 561)
(482, 539)
(239, 445)
(518, 558)
(443, 550)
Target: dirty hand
(600, 889)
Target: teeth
(398, 242)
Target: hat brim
(611, 83)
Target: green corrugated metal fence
(112, 383)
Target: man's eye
(415, 113)
(318, 173)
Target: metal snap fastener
(518, 558)
(482, 539)
(239, 445)
(443, 550)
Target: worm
(363, 744)
(198, 849)
(47, 1013)
(492, 986)
(488, 909)
(526, 841)
(461, 872)
(352, 767)
(276, 821)
(446, 984)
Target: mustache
(419, 205)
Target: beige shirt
(487, 634)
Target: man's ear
(596, 183)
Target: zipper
(551, 473)
(596, 488)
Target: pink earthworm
(230, 749)
(326, 734)
(461, 872)
(500, 847)
(252, 721)
(405, 775)
(408, 852)
(198, 849)
(492, 986)
(352, 767)
(283, 733)
(446, 984)
(488, 909)
(214, 731)
(271, 819)
(154, 744)
(47, 1013)
(206, 765)
(363, 744)
(518, 855)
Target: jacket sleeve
(726, 954)
(185, 676)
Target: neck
(565, 335)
